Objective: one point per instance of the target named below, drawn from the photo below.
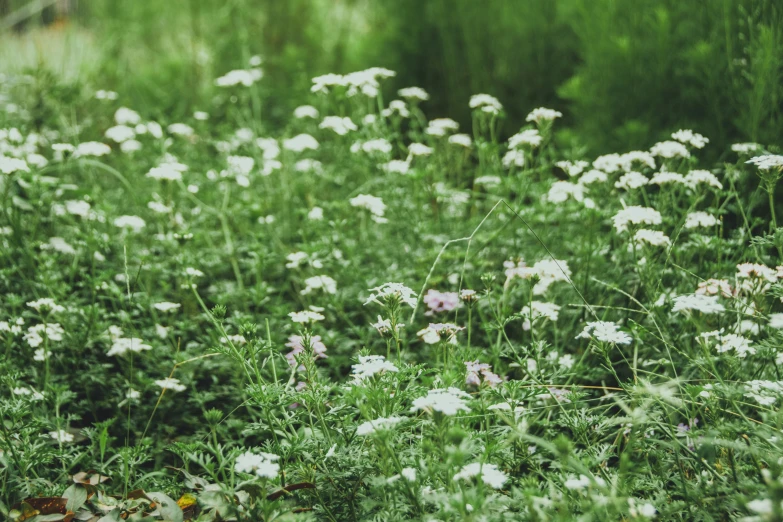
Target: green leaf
(168, 508)
(76, 495)
(54, 517)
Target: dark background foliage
(624, 73)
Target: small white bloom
(489, 474)
(170, 383)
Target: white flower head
(489, 474)
(448, 401)
(170, 383)
(370, 365)
(636, 215)
(670, 149)
(370, 427)
(543, 114)
(706, 304)
(262, 464)
(688, 137)
(605, 331)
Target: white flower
(272, 149)
(566, 361)
(200, 116)
(463, 140)
(484, 102)
(652, 237)
(91, 148)
(169, 383)
(762, 506)
(307, 165)
(665, 177)
(10, 165)
(339, 125)
(373, 204)
(441, 126)
(419, 149)
(572, 168)
(239, 77)
(300, 143)
(392, 291)
(636, 215)
(166, 306)
(306, 316)
(120, 133)
(745, 147)
(691, 138)
(543, 114)
(162, 331)
(315, 214)
(122, 345)
(396, 167)
(180, 129)
(561, 190)
(714, 287)
(550, 271)
(134, 223)
(371, 365)
(489, 473)
(193, 272)
(158, 207)
(77, 208)
(581, 482)
(34, 336)
(515, 158)
(365, 81)
(766, 393)
(448, 401)
(670, 149)
(322, 282)
(700, 219)
(593, 176)
(706, 304)
(369, 427)
(61, 436)
(167, 171)
(435, 332)
(130, 146)
(377, 146)
(397, 106)
(305, 111)
(549, 311)
(47, 304)
(776, 321)
(529, 137)
(409, 474)
(295, 259)
(605, 331)
(125, 116)
(489, 181)
(414, 93)
(58, 244)
(262, 464)
(105, 95)
(696, 177)
(728, 342)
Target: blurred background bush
(625, 73)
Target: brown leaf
(48, 505)
(89, 478)
(289, 488)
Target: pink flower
(440, 301)
(474, 368)
(295, 342)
